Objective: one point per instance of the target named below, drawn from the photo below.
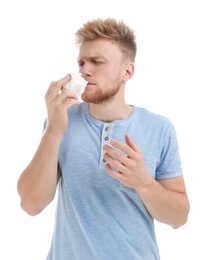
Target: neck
(110, 112)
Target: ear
(128, 71)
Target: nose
(86, 70)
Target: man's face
(100, 63)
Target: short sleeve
(170, 162)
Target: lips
(89, 86)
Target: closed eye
(80, 64)
(97, 62)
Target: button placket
(106, 137)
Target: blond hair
(116, 31)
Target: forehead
(99, 48)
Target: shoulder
(152, 118)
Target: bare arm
(166, 200)
(37, 183)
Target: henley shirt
(97, 217)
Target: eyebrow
(91, 58)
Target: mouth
(89, 85)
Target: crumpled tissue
(76, 84)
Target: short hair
(114, 30)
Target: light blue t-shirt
(97, 217)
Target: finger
(115, 163)
(56, 86)
(131, 144)
(65, 95)
(116, 175)
(123, 159)
(125, 148)
(64, 80)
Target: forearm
(165, 205)
(37, 184)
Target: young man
(117, 166)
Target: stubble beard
(100, 96)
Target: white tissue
(76, 84)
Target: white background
(37, 46)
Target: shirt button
(107, 128)
(106, 138)
(104, 160)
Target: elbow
(32, 206)
(31, 211)
(32, 202)
(29, 204)
(179, 224)
(183, 220)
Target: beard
(100, 96)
